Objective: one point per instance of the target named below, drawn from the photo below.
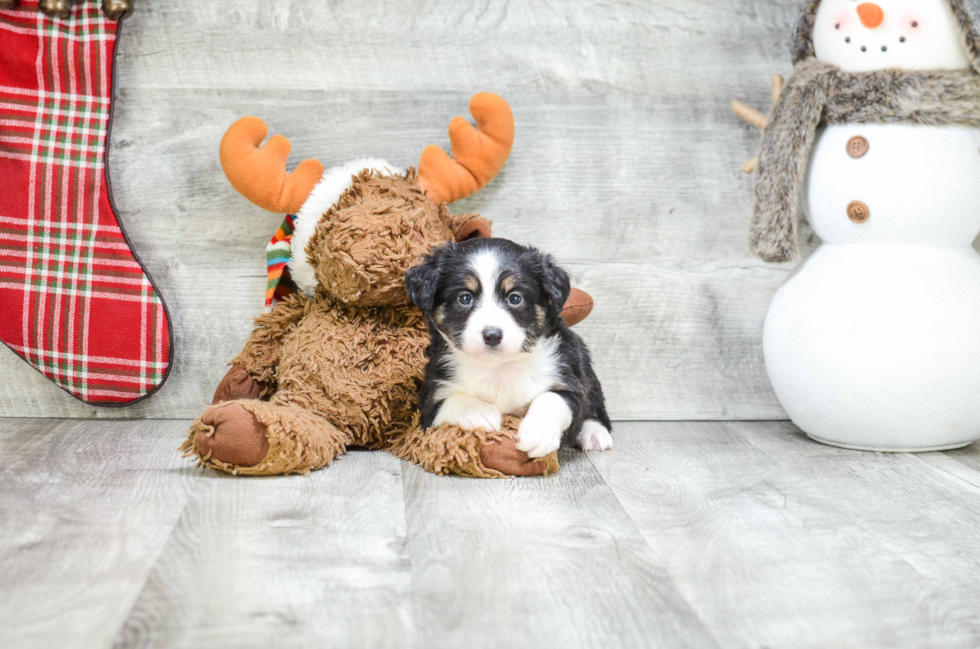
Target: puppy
(499, 346)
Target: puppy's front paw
(484, 416)
(469, 413)
(594, 437)
(540, 432)
(538, 437)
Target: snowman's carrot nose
(871, 14)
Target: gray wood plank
(780, 541)
(85, 511)
(687, 534)
(591, 46)
(963, 463)
(626, 167)
(298, 561)
(551, 562)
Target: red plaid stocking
(75, 302)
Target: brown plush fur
(343, 367)
(356, 366)
(818, 94)
(445, 451)
(380, 227)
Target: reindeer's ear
(422, 281)
(475, 228)
(577, 307)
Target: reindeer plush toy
(338, 363)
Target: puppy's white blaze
(469, 413)
(542, 427)
(489, 313)
(594, 436)
(510, 385)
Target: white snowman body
(874, 341)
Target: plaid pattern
(277, 254)
(74, 301)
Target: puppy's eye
(465, 299)
(514, 299)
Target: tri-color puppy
(499, 346)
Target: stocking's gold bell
(57, 8)
(117, 9)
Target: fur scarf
(820, 94)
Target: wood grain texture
(85, 511)
(314, 561)
(687, 534)
(552, 562)
(625, 166)
(780, 541)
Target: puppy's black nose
(492, 336)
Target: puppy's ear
(555, 282)
(422, 281)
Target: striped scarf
(277, 255)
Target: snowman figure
(874, 341)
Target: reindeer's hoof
(117, 9)
(237, 437)
(8, 4)
(56, 8)
(503, 456)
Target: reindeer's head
(361, 225)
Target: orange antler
(259, 173)
(478, 154)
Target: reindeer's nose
(871, 14)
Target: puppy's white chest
(509, 386)
(510, 389)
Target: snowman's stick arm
(777, 87)
(757, 119)
(749, 114)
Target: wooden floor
(686, 535)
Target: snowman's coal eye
(915, 23)
(837, 26)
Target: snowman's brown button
(858, 212)
(857, 146)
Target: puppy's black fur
(435, 285)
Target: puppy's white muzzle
(491, 331)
